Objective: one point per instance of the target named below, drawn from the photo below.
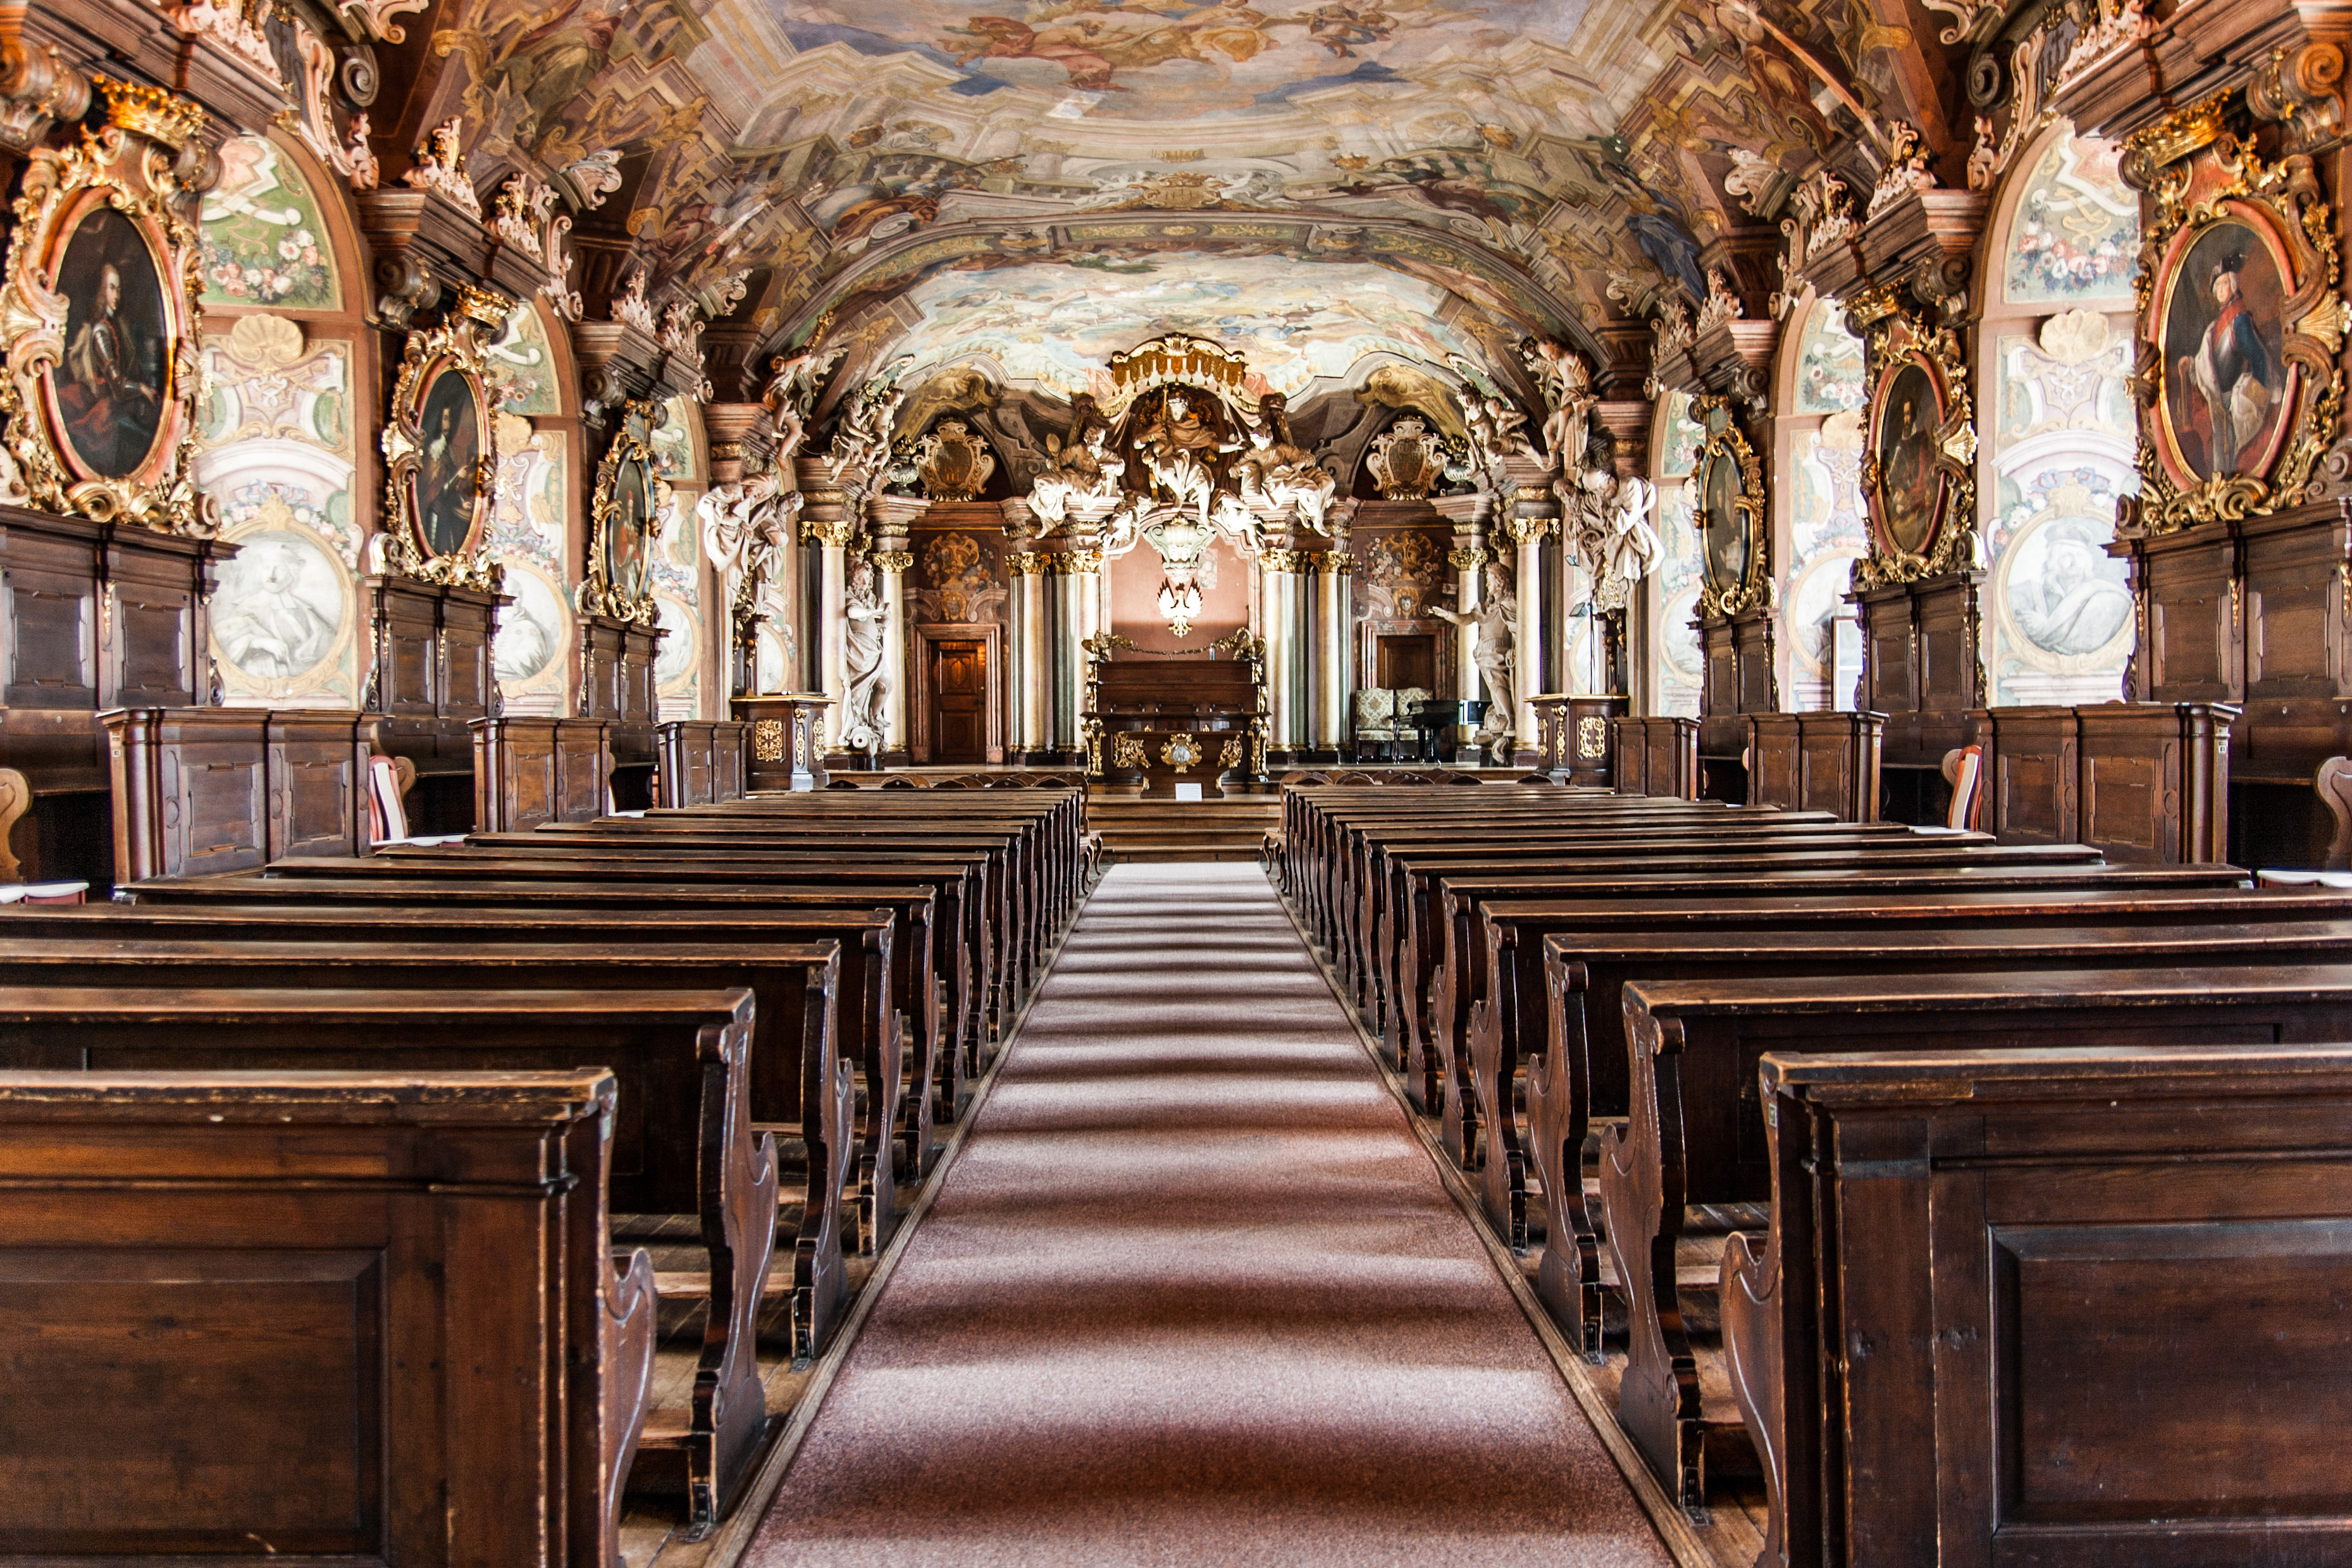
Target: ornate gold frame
(597, 594)
(1894, 339)
(135, 166)
(457, 345)
(1725, 437)
(2200, 175)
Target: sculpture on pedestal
(1083, 473)
(1276, 472)
(1495, 618)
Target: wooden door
(1407, 660)
(959, 687)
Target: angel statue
(1179, 449)
(1607, 523)
(862, 440)
(1276, 471)
(790, 395)
(1567, 384)
(746, 529)
(1082, 468)
(864, 633)
(1496, 616)
(1497, 432)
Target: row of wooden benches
(2052, 1155)
(323, 1181)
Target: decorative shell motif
(953, 463)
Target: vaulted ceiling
(1036, 180)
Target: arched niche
(1819, 392)
(284, 445)
(2056, 433)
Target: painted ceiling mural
(1058, 325)
(1568, 166)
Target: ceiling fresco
(1058, 325)
(1179, 60)
(1570, 165)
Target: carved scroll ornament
(440, 449)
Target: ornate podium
(1183, 719)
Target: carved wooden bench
(345, 1316)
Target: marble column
(890, 519)
(1534, 519)
(830, 520)
(1468, 558)
(1078, 571)
(1333, 702)
(1027, 653)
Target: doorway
(1410, 660)
(959, 689)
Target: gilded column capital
(1075, 562)
(892, 560)
(1282, 560)
(1338, 561)
(1469, 560)
(836, 531)
(1028, 563)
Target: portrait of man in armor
(111, 387)
(1906, 459)
(447, 474)
(2221, 340)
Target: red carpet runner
(1192, 1292)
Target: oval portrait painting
(1909, 488)
(626, 530)
(1725, 525)
(114, 381)
(448, 465)
(2225, 393)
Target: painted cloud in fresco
(1176, 59)
(1060, 326)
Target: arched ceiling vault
(1557, 166)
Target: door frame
(992, 637)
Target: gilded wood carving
(1729, 513)
(2241, 322)
(440, 449)
(99, 310)
(622, 513)
(1918, 477)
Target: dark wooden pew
(867, 1018)
(2096, 1300)
(682, 1141)
(888, 1113)
(1582, 1072)
(1694, 1135)
(958, 951)
(315, 1317)
(797, 1090)
(1432, 948)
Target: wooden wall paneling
(317, 771)
(1672, 766)
(516, 782)
(1774, 761)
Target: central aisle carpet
(1193, 1292)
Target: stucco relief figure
(1497, 432)
(746, 529)
(1567, 384)
(1608, 522)
(1179, 449)
(1496, 619)
(863, 441)
(1082, 471)
(1277, 472)
(865, 630)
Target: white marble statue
(864, 633)
(1495, 618)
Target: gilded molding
(1895, 339)
(1726, 441)
(625, 482)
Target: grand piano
(1181, 719)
